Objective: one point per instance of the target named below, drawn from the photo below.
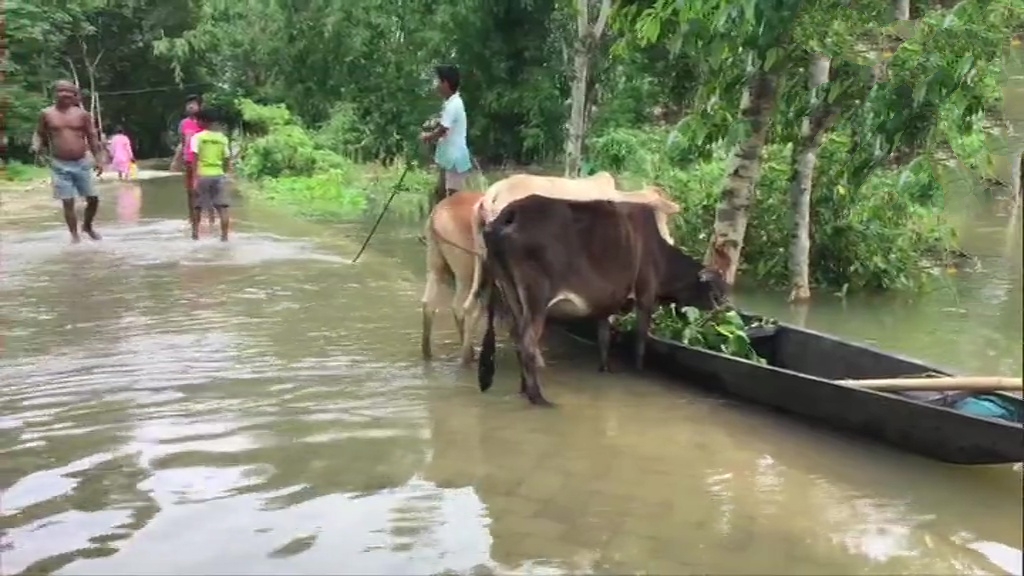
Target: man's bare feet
(223, 237)
(76, 239)
(92, 234)
(195, 235)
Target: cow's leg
(429, 308)
(540, 332)
(470, 321)
(522, 374)
(485, 370)
(463, 310)
(431, 293)
(604, 343)
(643, 326)
(460, 325)
(530, 354)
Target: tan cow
(452, 261)
(600, 186)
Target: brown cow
(583, 260)
(451, 263)
(599, 186)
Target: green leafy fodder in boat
(719, 330)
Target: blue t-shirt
(452, 152)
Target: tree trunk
(587, 39)
(1012, 228)
(805, 157)
(1016, 158)
(578, 113)
(95, 109)
(74, 72)
(738, 192)
(901, 9)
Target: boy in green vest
(212, 160)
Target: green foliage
(377, 58)
(888, 234)
(348, 194)
(354, 81)
(719, 330)
(19, 172)
(49, 40)
(292, 166)
(344, 133)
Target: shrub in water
(877, 237)
(315, 173)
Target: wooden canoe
(802, 378)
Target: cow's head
(713, 290)
(693, 284)
(712, 278)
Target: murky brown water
(170, 407)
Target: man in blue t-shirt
(452, 153)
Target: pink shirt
(187, 129)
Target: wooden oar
(943, 384)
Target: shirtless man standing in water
(69, 132)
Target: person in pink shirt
(188, 127)
(121, 153)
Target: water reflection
(259, 407)
(973, 323)
(628, 480)
(129, 203)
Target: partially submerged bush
(888, 234)
(311, 173)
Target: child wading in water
(212, 163)
(121, 154)
(187, 128)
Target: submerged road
(260, 407)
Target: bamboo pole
(944, 384)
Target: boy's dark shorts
(211, 193)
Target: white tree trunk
(738, 193)
(1015, 171)
(805, 157)
(587, 38)
(902, 9)
(577, 115)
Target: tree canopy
(666, 87)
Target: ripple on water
(256, 408)
(150, 243)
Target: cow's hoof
(538, 399)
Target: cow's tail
(485, 368)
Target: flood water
(260, 407)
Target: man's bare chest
(59, 122)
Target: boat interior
(830, 358)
